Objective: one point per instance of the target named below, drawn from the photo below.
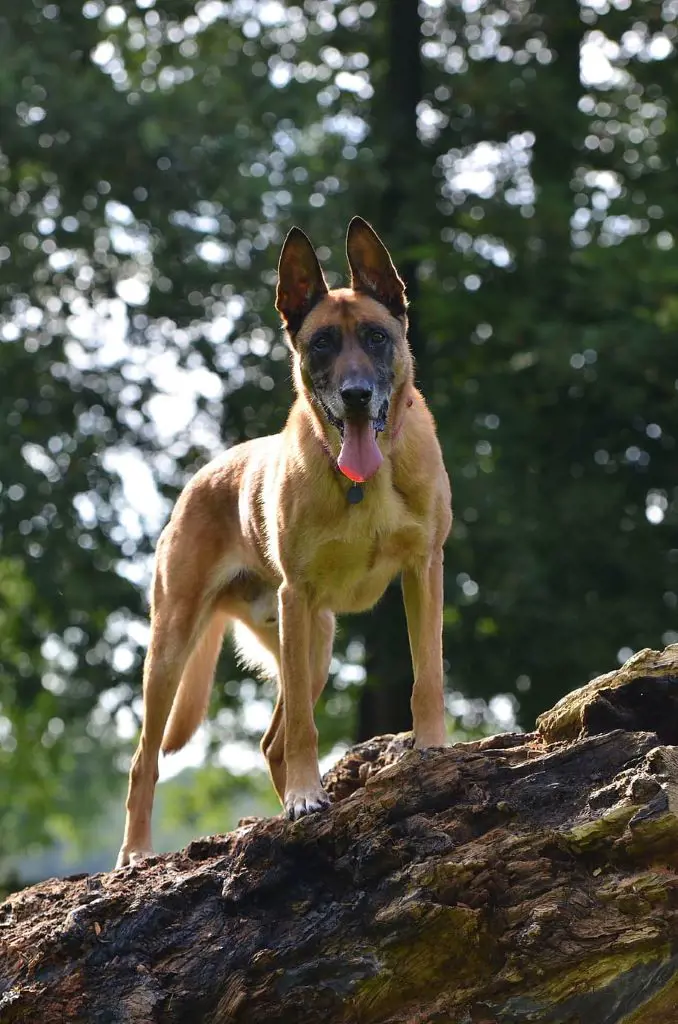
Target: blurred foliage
(197, 802)
(519, 159)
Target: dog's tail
(192, 697)
(254, 651)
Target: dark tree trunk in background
(405, 216)
(557, 154)
(385, 701)
(507, 881)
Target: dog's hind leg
(258, 647)
(273, 746)
(180, 608)
(264, 655)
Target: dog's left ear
(372, 270)
(301, 284)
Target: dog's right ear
(301, 284)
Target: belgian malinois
(279, 534)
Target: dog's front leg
(423, 594)
(303, 790)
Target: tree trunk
(384, 704)
(515, 879)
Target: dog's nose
(357, 394)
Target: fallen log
(513, 879)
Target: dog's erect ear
(372, 271)
(300, 280)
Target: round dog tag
(355, 494)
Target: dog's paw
(298, 803)
(433, 737)
(129, 858)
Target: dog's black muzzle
(379, 423)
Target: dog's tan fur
(263, 538)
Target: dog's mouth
(359, 458)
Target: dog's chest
(350, 565)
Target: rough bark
(516, 879)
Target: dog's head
(350, 344)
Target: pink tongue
(359, 458)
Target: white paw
(298, 803)
(131, 857)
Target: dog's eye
(321, 344)
(378, 338)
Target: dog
(279, 534)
